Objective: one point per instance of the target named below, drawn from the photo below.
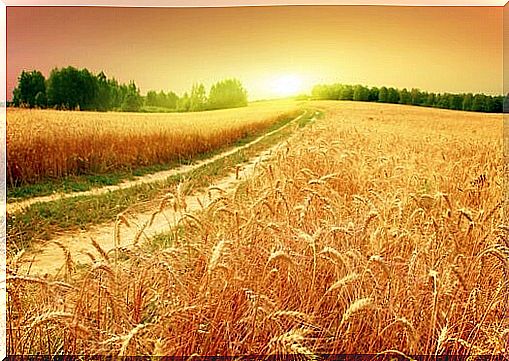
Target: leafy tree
(29, 85)
(456, 101)
(320, 92)
(430, 100)
(360, 93)
(489, 104)
(468, 100)
(40, 100)
(442, 101)
(416, 97)
(334, 91)
(405, 97)
(152, 98)
(183, 103)
(373, 94)
(346, 92)
(161, 99)
(479, 103)
(228, 93)
(198, 98)
(71, 88)
(103, 95)
(393, 96)
(117, 94)
(171, 100)
(494, 104)
(383, 95)
(132, 101)
(499, 104)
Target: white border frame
(3, 189)
(149, 3)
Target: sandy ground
(48, 258)
(150, 178)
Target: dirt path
(49, 257)
(15, 207)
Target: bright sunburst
(286, 85)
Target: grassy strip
(86, 182)
(45, 220)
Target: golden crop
(378, 229)
(50, 144)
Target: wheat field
(378, 229)
(43, 144)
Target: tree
(152, 98)
(171, 100)
(499, 104)
(198, 98)
(405, 97)
(430, 100)
(442, 101)
(416, 97)
(103, 94)
(40, 100)
(393, 96)
(117, 93)
(334, 91)
(383, 95)
(346, 92)
(373, 94)
(470, 102)
(494, 104)
(319, 92)
(71, 88)
(162, 99)
(479, 103)
(227, 93)
(183, 103)
(360, 93)
(132, 100)
(29, 85)
(467, 102)
(456, 101)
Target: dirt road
(49, 257)
(149, 178)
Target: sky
(442, 49)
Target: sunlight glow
(286, 85)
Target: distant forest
(467, 102)
(79, 89)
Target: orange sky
(455, 49)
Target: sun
(287, 85)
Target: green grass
(154, 109)
(45, 220)
(82, 183)
(165, 240)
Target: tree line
(467, 102)
(71, 88)
(79, 89)
(228, 93)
